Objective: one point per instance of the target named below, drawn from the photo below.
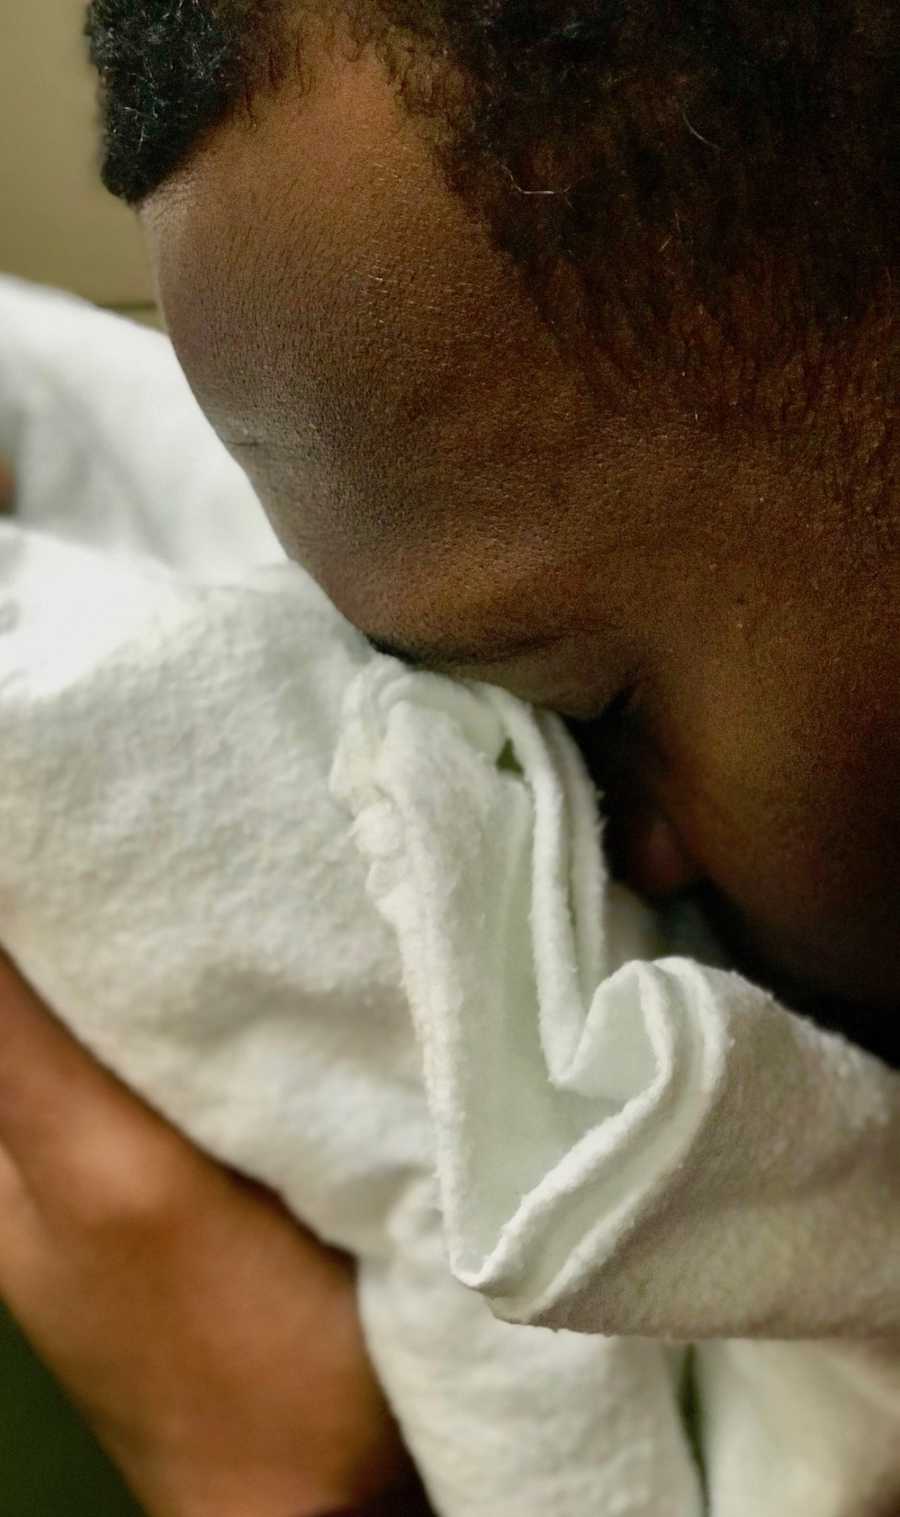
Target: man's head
(560, 341)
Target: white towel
(623, 1146)
(110, 447)
(605, 1137)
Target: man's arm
(216, 1349)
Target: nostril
(646, 852)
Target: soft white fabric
(110, 447)
(239, 849)
(623, 1146)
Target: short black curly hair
(664, 150)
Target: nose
(642, 845)
(644, 850)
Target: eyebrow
(440, 655)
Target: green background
(49, 1464)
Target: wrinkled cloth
(349, 927)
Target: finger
(61, 1112)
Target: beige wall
(57, 223)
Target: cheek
(795, 822)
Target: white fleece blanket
(349, 927)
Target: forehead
(318, 248)
(416, 435)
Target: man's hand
(213, 1346)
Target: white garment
(604, 1138)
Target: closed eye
(441, 656)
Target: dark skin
(216, 1349)
(420, 444)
